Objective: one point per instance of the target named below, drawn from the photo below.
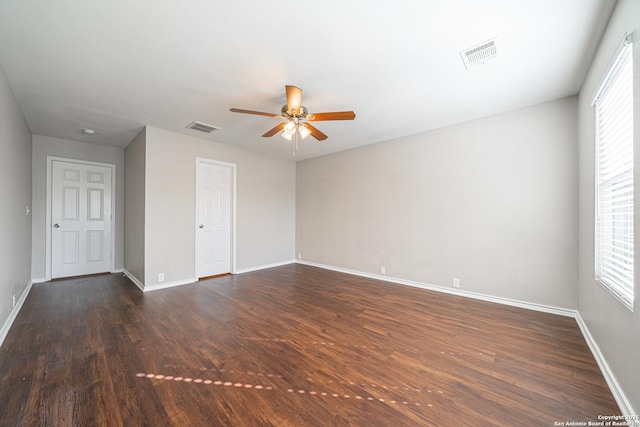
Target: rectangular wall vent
(202, 127)
(481, 53)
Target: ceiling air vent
(202, 127)
(481, 53)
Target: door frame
(49, 190)
(232, 167)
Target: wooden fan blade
(336, 115)
(315, 132)
(275, 130)
(257, 113)
(294, 99)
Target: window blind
(614, 178)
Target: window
(614, 177)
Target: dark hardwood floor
(290, 346)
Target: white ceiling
(117, 65)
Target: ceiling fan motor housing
(302, 115)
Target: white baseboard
(149, 288)
(263, 267)
(612, 382)
(614, 386)
(134, 279)
(166, 285)
(39, 280)
(14, 313)
(499, 300)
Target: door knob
(56, 225)
(201, 226)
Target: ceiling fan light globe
(287, 136)
(304, 131)
(290, 127)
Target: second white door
(213, 218)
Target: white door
(80, 219)
(213, 219)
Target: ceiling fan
(297, 118)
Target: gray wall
(492, 202)
(134, 202)
(44, 146)
(615, 329)
(15, 196)
(265, 210)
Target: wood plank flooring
(290, 346)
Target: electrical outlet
(14, 300)
(383, 270)
(160, 277)
(299, 255)
(455, 282)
